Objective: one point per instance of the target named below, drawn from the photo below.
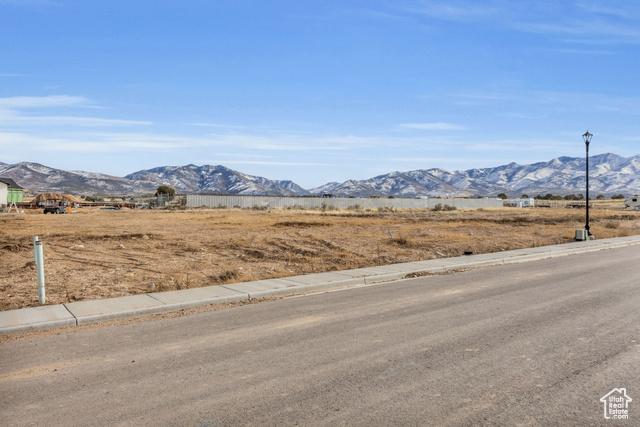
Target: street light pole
(587, 139)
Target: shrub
(225, 276)
(400, 241)
(386, 209)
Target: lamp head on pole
(587, 138)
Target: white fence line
(217, 201)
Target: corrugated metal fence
(215, 201)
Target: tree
(617, 196)
(525, 196)
(600, 197)
(93, 199)
(502, 196)
(165, 190)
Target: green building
(10, 192)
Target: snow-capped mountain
(608, 174)
(214, 179)
(185, 179)
(42, 179)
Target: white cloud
(268, 163)
(536, 104)
(463, 11)
(583, 52)
(219, 126)
(79, 143)
(11, 112)
(597, 32)
(594, 22)
(21, 142)
(431, 126)
(278, 147)
(531, 145)
(9, 119)
(22, 102)
(623, 9)
(431, 160)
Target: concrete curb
(35, 319)
(86, 312)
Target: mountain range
(609, 174)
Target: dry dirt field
(93, 253)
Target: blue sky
(315, 91)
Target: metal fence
(245, 202)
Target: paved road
(530, 344)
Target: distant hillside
(43, 179)
(214, 179)
(185, 179)
(609, 174)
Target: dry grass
(95, 254)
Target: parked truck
(55, 206)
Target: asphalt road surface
(531, 344)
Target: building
(522, 203)
(10, 192)
(632, 203)
(264, 202)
